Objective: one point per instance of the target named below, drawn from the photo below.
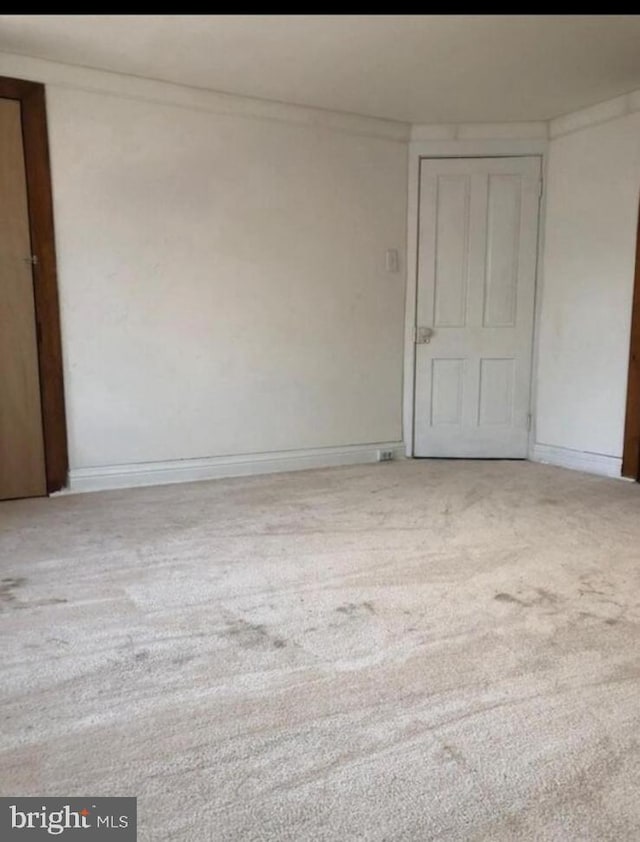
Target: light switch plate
(392, 261)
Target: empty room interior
(320, 427)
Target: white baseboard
(216, 467)
(577, 460)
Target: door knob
(423, 335)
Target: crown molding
(603, 112)
(150, 90)
(480, 131)
(62, 75)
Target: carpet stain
(352, 609)
(37, 603)
(252, 635)
(543, 596)
(9, 585)
(507, 597)
(546, 596)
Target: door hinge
(540, 188)
(32, 259)
(529, 421)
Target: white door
(477, 242)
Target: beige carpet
(407, 651)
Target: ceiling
(413, 68)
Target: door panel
(22, 465)
(503, 240)
(452, 226)
(496, 392)
(478, 229)
(447, 378)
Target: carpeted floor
(407, 651)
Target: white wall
(592, 190)
(222, 272)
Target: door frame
(31, 96)
(504, 145)
(631, 449)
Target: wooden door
(478, 233)
(22, 461)
(631, 451)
